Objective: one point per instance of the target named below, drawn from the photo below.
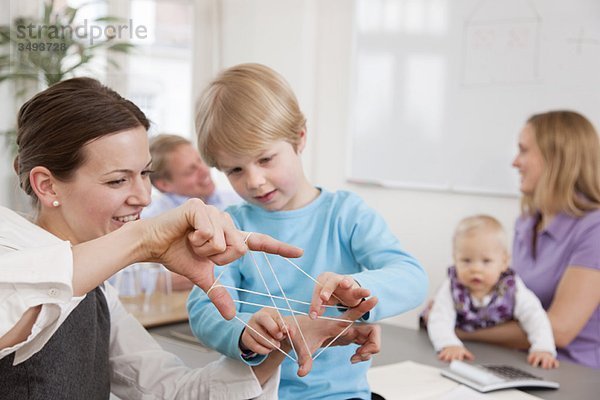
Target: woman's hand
(191, 238)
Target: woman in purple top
(556, 248)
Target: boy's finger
(285, 329)
(360, 293)
(263, 337)
(261, 242)
(257, 347)
(316, 301)
(272, 328)
(368, 348)
(373, 343)
(321, 294)
(357, 312)
(356, 358)
(330, 284)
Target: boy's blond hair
(243, 110)
(481, 222)
(570, 180)
(160, 147)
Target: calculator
(486, 378)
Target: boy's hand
(318, 333)
(542, 359)
(368, 336)
(455, 353)
(334, 289)
(268, 323)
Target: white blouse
(36, 268)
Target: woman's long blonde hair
(570, 181)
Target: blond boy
(250, 127)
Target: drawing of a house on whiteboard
(501, 43)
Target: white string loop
(288, 302)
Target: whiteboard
(441, 88)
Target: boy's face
(273, 180)
(480, 258)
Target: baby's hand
(264, 332)
(333, 289)
(455, 353)
(542, 359)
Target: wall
(424, 221)
(310, 42)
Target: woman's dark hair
(55, 125)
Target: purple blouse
(567, 241)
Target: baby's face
(480, 258)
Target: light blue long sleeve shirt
(339, 233)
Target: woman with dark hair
(556, 249)
(83, 158)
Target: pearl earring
(55, 203)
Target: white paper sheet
(413, 381)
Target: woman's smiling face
(529, 161)
(110, 188)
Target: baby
(482, 291)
